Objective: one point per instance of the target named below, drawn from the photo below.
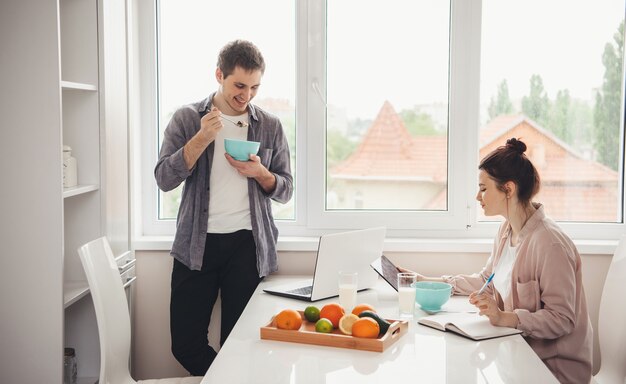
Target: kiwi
(382, 323)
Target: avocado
(382, 323)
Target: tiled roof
(572, 187)
(592, 203)
(278, 106)
(554, 159)
(388, 151)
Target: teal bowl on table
(241, 149)
(431, 295)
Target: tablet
(387, 270)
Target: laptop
(387, 270)
(345, 251)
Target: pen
(486, 283)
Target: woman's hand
(418, 277)
(488, 306)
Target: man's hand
(210, 125)
(254, 169)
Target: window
(389, 112)
(387, 107)
(560, 90)
(190, 35)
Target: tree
(580, 117)
(606, 116)
(418, 123)
(559, 120)
(502, 105)
(536, 104)
(338, 148)
(356, 128)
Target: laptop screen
(351, 251)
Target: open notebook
(470, 325)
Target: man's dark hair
(240, 53)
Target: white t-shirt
(502, 271)
(229, 205)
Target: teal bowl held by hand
(431, 295)
(241, 149)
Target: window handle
(319, 93)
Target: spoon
(239, 123)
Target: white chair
(612, 321)
(112, 314)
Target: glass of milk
(348, 282)
(406, 293)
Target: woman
(537, 285)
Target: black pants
(229, 268)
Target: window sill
(309, 244)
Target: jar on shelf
(69, 366)
(70, 171)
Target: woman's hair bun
(516, 145)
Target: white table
(423, 355)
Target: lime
(312, 313)
(323, 325)
(345, 323)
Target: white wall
(152, 357)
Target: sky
(193, 32)
(397, 52)
(561, 40)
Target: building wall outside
(368, 194)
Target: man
(226, 237)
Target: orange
(362, 307)
(288, 319)
(332, 312)
(365, 327)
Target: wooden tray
(307, 335)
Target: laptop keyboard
(304, 291)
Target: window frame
(459, 221)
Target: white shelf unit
(82, 204)
(54, 75)
(70, 85)
(79, 190)
(74, 291)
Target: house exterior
(572, 188)
(391, 169)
